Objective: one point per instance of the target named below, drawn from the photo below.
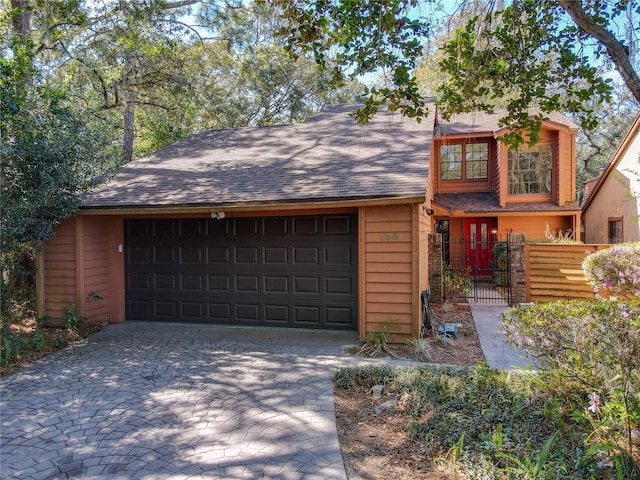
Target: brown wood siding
(534, 226)
(95, 274)
(58, 282)
(386, 264)
(424, 229)
(554, 271)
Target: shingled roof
(487, 203)
(329, 157)
(489, 123)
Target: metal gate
(476, 270)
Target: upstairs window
(464, 161)
(477, 156)
(451, 162)
(530, 170)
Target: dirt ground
(375, 443)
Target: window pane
(451, 162)
(473, 233)
(477, 156)
(483, 235)
(615, 231)
(530, 170)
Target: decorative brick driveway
(154, 401)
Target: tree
(536, 52)
(359, 37)
(595, 148)
(49, 155)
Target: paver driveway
(155, 401)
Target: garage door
(285, 271)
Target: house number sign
(389, 237)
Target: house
(482, 190)
(319, 225)
(611, 206)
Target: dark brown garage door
(285, 271)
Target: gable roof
(633, 131)
(329, 157)
(475, 123)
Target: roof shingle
(330, 156)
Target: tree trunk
(128, 120)
(22, 21)
(128, 126)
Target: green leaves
(524, 55)
(358, 37)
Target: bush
(615, 270)
(457, 283)
(591, 350)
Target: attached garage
(298, 272)
(320, 225)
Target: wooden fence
(554, 271)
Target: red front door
(480, 238)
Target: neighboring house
(320, 225)
(483, 191)
(611, 207)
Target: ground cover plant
(27, 338)
(459, 422)
(590, 351)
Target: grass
(481, 423)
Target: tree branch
(616, 50)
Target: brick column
(436, 279)
(517, 268)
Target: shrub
(457, 283)
(591, 350)
(615, 270)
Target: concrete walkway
(156, 401)
(498, 353)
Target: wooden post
(517, 268)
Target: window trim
(463, 170)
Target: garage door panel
(191, 282)
(276, 284)
(246, 227)
(246, 255)
(338, 256)
(220, 312)
(276, 255)
(275, 226)
(276, 314)
(247, 283)
(338, 286)
(306, 226)
(338, 225)
(191, 255)
(339, 316)
(282, 271)
(164, 254)
(306, 255)
(166, 309)
(218, 255)
(165, 281)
